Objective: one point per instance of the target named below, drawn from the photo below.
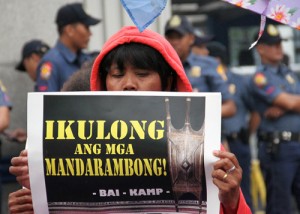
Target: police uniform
(61, 62)
(203, 74)
(279, 149)
(235, 129)
(57, 66)
(202, 71)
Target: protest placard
(117, 152)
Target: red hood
(131, 34)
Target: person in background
(66, 56)
(5, 107)
(200, 45)
(276, 90)
(201, 70)
(32, 52)
(145, 61)
(235, 130)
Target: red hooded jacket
(147, 37)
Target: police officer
(5, 106)
(31, 55)
(200, 45)
(277, 93)
(235, 130)
(66, 57)
(201, 70)
(32, 52)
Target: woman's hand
(227, 176)
(19, 168)
(20, 202)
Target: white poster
(117, 152)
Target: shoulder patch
(260, 79)
(272, 30)
(221, 72)
(46, 70)
(175, 21)
(232, 88)
(290, 79)
(195, 71)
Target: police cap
(201, 38)
(30, 47)
(270, 36)
(74, 13)
(179, 24)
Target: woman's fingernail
(216, 152)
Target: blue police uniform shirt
(267, 83)
(4, 98)
(203, 75)
(239, 88)
(56, 67)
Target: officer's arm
(217, 83)
(289, 102)
(4, 117)
(274, 112)
(228, 108)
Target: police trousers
(282, 175)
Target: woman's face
(132, 79)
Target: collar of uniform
(273, 69)
(66, 52)
(283, 69)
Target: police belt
(241, 135)
(279, 136)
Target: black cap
(201, 38)
(270, 36)
(30, 47)
(73, 13)
(179, 24)
(217, 49)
